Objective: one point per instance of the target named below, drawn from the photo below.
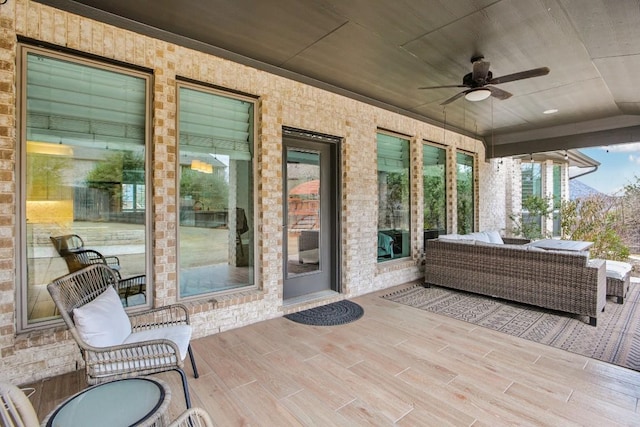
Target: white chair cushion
(103, 321)
(494, 237)
(179, 334)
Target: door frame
(333, 180)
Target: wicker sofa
(562, 281)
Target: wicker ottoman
(618, 279)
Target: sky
(619, 166)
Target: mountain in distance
(579, 190)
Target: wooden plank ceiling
(382, 51)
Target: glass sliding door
(215, 180)
(84, 176)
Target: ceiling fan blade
(536, 72)
(499, 93)
(441, 87)
(454, 97)
(480, 71)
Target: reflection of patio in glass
(204, 253)
(206, 264)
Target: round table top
(123, 402)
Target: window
(435, 188)
(557, 199)
(393, 197)
(83, 139)
(531, 180)
(466, 192)
(215, 179)
(531, 188)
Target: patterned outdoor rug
(616, 339)
(336, 313)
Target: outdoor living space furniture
(618, 279)
(385, 246)
(116, 344)
(563, 281)
(16, 409)
(308, 247)
(194, 417)
(71, 248)
(73, 244)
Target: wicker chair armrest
(112, 260)
(129, 282)
(92, 256)
(174, 314)
(193, 417)
(515, 240)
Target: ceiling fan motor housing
(468, 81)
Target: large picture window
(434, 174)
(393, 197)
(466, 192)
(215, 180)
(83, 176)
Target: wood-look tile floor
(396, 366)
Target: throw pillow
(494, 237)
(103, 321)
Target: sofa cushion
(179, 334)
(480, 236)
(449, 237)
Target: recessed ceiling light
(550, 111)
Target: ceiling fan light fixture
(478, 95)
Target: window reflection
(84, 175)
(393, 197)
(216, 187)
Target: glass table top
(117, 403)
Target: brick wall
(31, 356)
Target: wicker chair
(128, 359)
(194, 417)
(15, 407)
(71, 248)
(73, 244)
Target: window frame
(215, 90)
(410, 232)
(445, 151)
(21, 280)
(474, 192)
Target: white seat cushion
(103, 321)
(179, 334)
(618, 269)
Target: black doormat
(336, 313)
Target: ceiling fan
(477, 82)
